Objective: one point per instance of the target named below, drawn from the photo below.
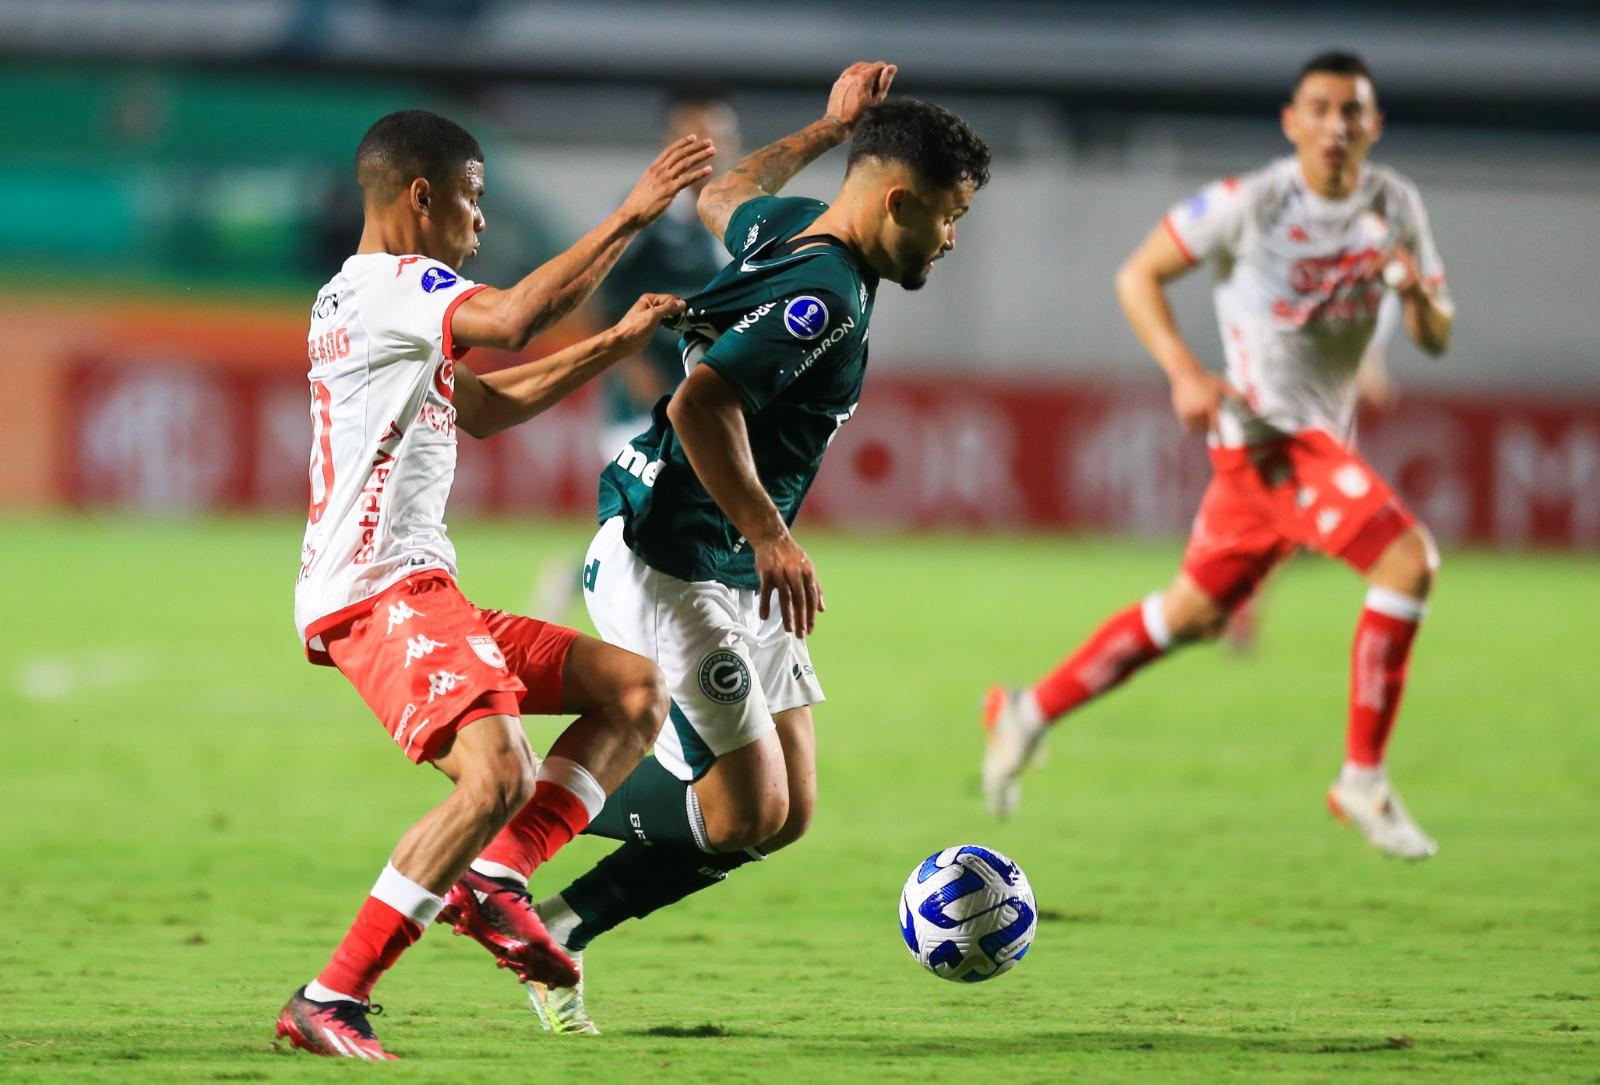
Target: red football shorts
(1265, 500)
(428, 662)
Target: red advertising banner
(925, 451)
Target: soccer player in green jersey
(694, 565)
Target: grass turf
(189, 815)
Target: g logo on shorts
(724, 677)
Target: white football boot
(1013, 743)
(560, 1009)
(1368, 801)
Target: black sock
(651, 806)
(637, 879)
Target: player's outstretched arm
(508, 319)
(1197, 393)
(764, 172)
(495, 401)
(708, 417)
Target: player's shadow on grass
(1063, 1041)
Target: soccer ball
(967, 913)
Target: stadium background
(180, 182)
(188, 812)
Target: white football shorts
(728, 671)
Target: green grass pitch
(190, 814)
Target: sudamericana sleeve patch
(438, 278)
(805, 317)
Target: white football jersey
(1294, 317)
(383, 434)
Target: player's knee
(1198, 622)
(1409, 565)
(502, 786)
(794, 826)
(643, 701)
(752, 825)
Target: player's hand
(1197, 399)
(863, 84)
(1396, 267)
(642, 319)
(785, 570)
(684, 162)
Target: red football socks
(1378, 660)
(565, 799)
(1126, 642)
(392, 918)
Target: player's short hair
(409, 144)
(938, 146)
(1333, 62)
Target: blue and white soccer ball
(967, 913)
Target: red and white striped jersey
(1294, 316)
(383, 443)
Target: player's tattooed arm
(495, 401)
(764, 172)
(509, 319)
(708, 417)
(1197, 393)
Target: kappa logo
(805, 317)
(419, 646)
(405, 718)
(755, 232)
(724, 677)
(442, 682)
(400, 614)
(1352, 481)
(437, 278)
(487, 650)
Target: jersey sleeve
(760, 219)
(1209, 225)
(410, 311)
(1417, 236)
(781, 340)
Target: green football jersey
(788, 330)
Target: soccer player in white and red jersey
(376, 596)
(1303, 251)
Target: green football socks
(652, 806)
(634, 881)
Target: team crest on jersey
(487, 650)
(805, 317)
(437, 278)
(724, 677)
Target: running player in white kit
(1303, 252)
(376, 596)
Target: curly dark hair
(409, 144)
(938, 146)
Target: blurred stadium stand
(181, 184)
